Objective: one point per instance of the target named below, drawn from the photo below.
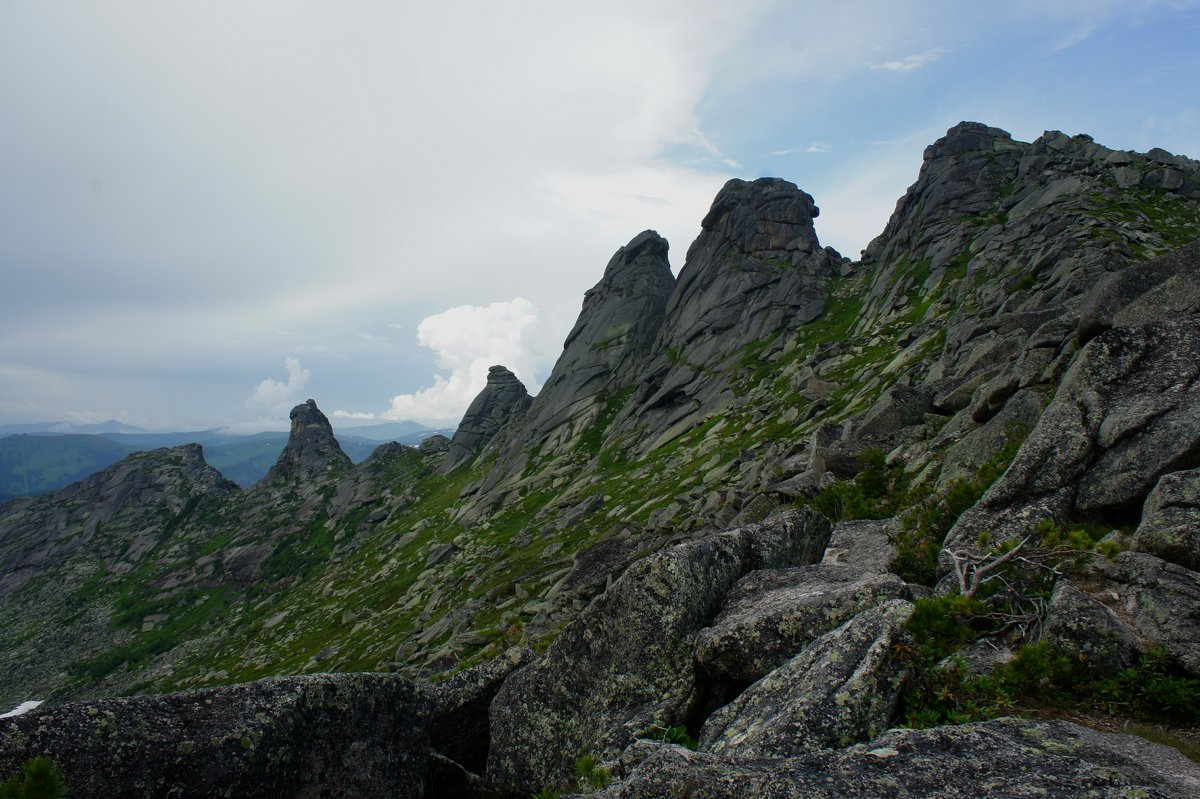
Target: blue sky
(210, 212)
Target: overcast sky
(211, 211)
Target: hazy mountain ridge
(45, 458)
(1002, 294)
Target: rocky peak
(765, 218)
(502, 399)
(755, 270)
(612, 338)
(312, 450)
(46, 530)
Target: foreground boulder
(625, 664)
(1003, 758)
(332, 735)
(841, 689)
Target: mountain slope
(777, 373)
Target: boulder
(1126, 413)
(840, 689)
(1161, 601)
(1089, 631)
(771, 615)
(625, 663)
(1002, 758)
(459, 709)
(1170, 525)
(329, 735)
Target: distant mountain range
(38, 458)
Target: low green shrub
(40, 778)
(590, 775)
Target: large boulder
(1003, 758)
(1170, 526)
(839, 690)
(1165, 288)
(1089, 630)
(1161, 601)
(331, 735)
(771, 615)
(625, 663)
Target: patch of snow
(24, 707)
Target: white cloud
(812, 148)
(912, 62)
(466, 341)
(357, 415)
(277, 396)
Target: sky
(210, 212)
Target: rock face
(1170, 525)
(611, 340)
(348, 735)
(1126, 413)
(1161, 602)
(503, 399)
(755, 271)
(312, 451)
(624, 665)
(839, 690)
(1007, 757)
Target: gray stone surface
(1089, 632)
(839, 690)
(609, 345)
(503, 399)
(755, 270)
(1002, 758)
(1161, 601)
(625, 663)
(1165, 288)
(1126, 413)
(344, 735)
(1170, 525)
(770, 615)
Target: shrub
(591, 775)
(40, 778)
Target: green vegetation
(40, 778)
(673, 735)
(941, 691)
(590, 775)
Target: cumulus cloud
(278, 396)
(466, 340)
(912, 62)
